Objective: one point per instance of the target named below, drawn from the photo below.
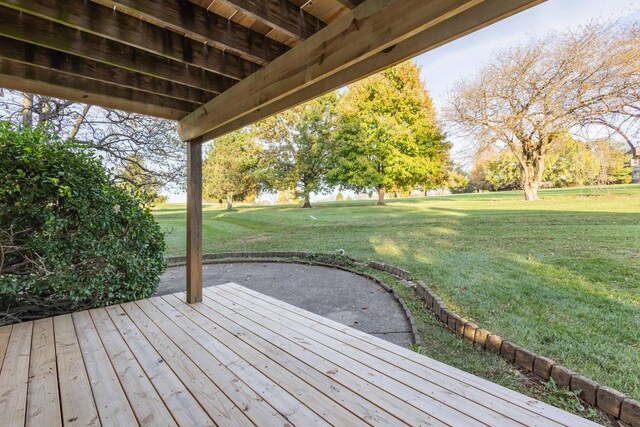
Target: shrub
(69, 237)
(339, 197)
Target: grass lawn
(560, 277)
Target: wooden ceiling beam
(355, 36)
(26, 53)
(21, 26)
(32, 79)
(351, 4)
(458, 26)
(282, 15)
(200, 24)
(120, 27)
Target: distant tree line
(379, 136)
(569, 163)
(558, 111)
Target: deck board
(43, 398)
(111, 401)
(435, 398)
(237, 358)
(410, 361)
(14, 375)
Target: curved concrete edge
(609, 400)
(301, 258)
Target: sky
(463, 58)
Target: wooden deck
(237, 358)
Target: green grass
(560, 277)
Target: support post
(194, 221)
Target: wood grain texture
(5, 334)
(182, 406)
(43, 399)
(424, 368)
(460, 25)
(237, 358)
(34, 79)
(351, 3)
(111, 402)
(76, 397)
(25, 53)
(273, 393)
(120, 27)
(281, 14)
(352, 38)
(14, 376)
(35, 30)
(194, 221)
(136, 383)
(198, 23)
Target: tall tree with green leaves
(297, 144)
(387, 135)
(229, 170)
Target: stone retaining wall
(609, 400)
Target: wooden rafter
(351, 3)
(22, 26)
(366, 30)
(280, 14)
(102, 21)
(464, 23)
(200, 24)
(26, 53)
(32, 79)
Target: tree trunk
(381, 195)
(27, 110)
(531, 177)
(307, 200)
(78, 123)
(229, 201)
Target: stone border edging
(609, 400)
(277, 257)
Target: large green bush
(69, 237)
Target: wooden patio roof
(218, 65)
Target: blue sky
(463, 58)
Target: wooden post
(194, 221)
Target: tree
(297, 147)
(457, 180)
(502, 172)
(614, 163)
(70, 237)
(569, 162)
(133, 177)
(387, 135)
(148, 146)
(527, 98)
(229, 170)
(477, 177)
